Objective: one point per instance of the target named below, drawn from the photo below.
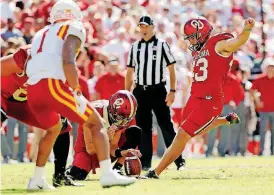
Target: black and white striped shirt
(149, 59)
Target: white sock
(39, 172)
(105, 166)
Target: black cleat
(182, 165)
(145, 168)
(233, 118)
(141, 177)
(151, 174)
(63, 179)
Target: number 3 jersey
(46, 51)
(210, 69)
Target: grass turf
(237, 175)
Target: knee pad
(77, 173)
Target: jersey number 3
(201, 74)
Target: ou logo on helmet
(197, 24)
(118, 102)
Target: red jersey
(233, 90)
(13, 87)
(210, 69)
(109, 84)
(265, 86)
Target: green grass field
(243, 176)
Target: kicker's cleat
(233, 118)
(151, 174)
(182, 165)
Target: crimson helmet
(122, 108)
(198, 28)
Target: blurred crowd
(111, 27)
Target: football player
(118, 113)
(52, 64)
(212, 58)
(14, 104)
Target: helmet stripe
(131, 104)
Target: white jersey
(46, 50)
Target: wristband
(173, 90)
(118, 152)
(247, 29)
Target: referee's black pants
(153, 98)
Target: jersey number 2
(202, 63)
(42, 41)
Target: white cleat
(115, 179)
(39, 184)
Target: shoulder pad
(77, 29)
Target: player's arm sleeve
(168, 56)
(130, 60)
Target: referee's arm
(130, 70)
(170, 63)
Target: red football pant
(20, 111)
(199, 113)
(49, 98)
(85, 161)
(177, 115)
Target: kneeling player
(118, 114)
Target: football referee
(146, 63)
